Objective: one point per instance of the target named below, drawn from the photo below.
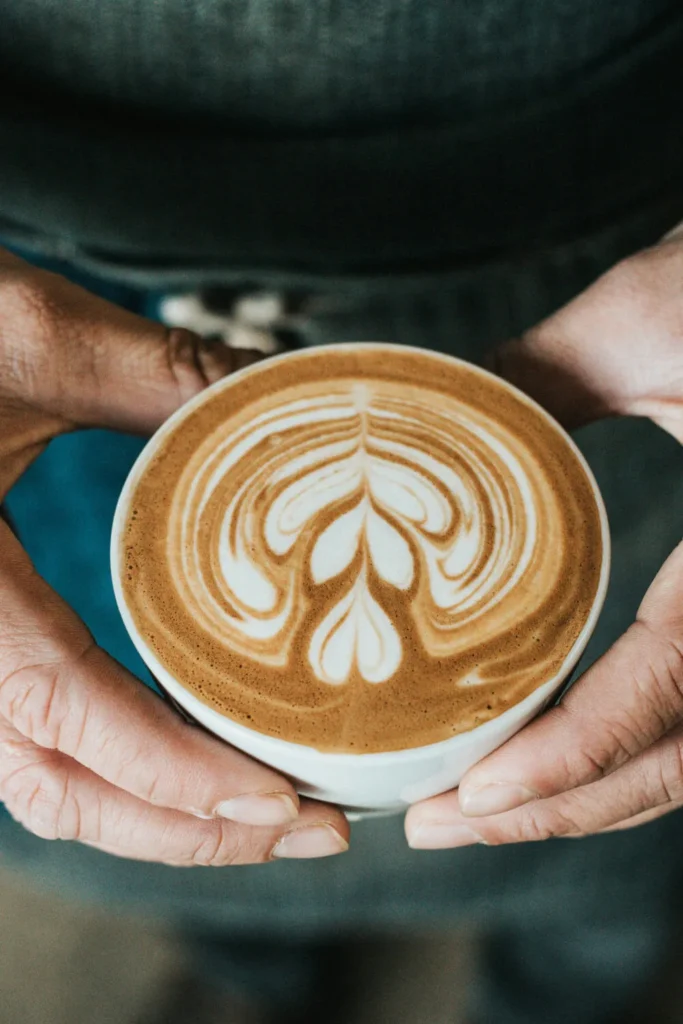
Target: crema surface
(362, 549)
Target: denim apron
(449, 209)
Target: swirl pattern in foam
(363, 551)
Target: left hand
(610, 756)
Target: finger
(74, 355)
(56, 798)
(622, 705)
(636, 820)
(649, 785)
(318, 833)
(593, 357)
(64, 693)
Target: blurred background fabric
(63, 963)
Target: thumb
(78, 357)
(620, 707)
(611, 350)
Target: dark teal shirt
(330, 137)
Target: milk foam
(399, 513)
(361, 554)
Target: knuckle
(593, 760)
(184, 360)
(660, 681)
(623, 738)
(670, 773)
(35, 699)
(609, 744)
(29, 699)
(531, 829)
(221, 846)
(41, 799)
(671, 676)
(561, 822)
(594, 763)
(536, 826)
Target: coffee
(362, 549)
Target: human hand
(610, 755)
(86, 751)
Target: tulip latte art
(362, 549)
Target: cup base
(355, 814)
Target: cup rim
(537, 696)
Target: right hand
(87, 752)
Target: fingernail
(259, 809)
(495, 798)
(319, 840)
(441, 835)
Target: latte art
(358, 556)
(368, 488)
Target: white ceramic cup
(360, 783)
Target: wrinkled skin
(88, 753)
(610, 756)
